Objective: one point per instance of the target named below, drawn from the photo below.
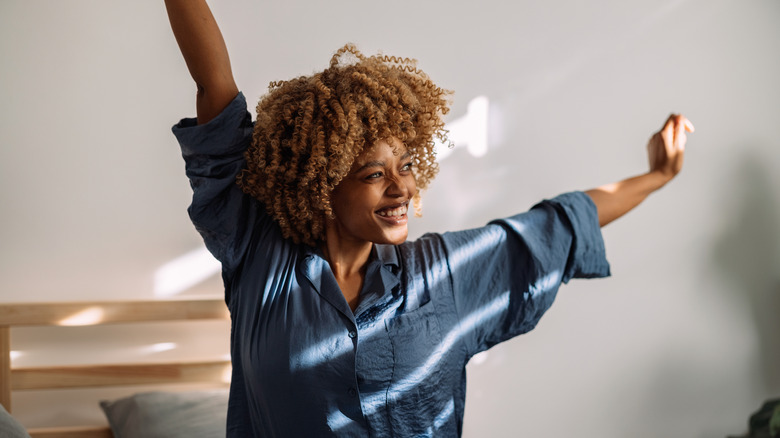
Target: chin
(396, 238)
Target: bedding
(157, 414)
(191, 414)
(9, 427)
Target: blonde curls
(310, 129)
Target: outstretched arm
(665, 150)
(205, 53)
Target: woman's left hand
(666, 148)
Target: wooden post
(5, 367)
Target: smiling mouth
(395, 212)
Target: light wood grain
(108, 312)
(86, 376)
(5, 367)
(119, 375)
(72, 432)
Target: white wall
(681, 342)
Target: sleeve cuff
(587, 258)
(201, 139)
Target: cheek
(339, 202)
(348, 200)
(412, 186)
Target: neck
(347, 260)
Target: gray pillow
(191, 414)
(9, 427)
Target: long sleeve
(506, 275)
(214, 155)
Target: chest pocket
(417, 391)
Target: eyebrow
(378, 163)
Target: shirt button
(352, 334)
(352, 392)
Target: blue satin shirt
(305, 365)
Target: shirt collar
(387, 254)
(318, 272)
(382, 278)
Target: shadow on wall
(748, 257)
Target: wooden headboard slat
(96, 313)
(72, 432)
(217, 371)
(108, 312)
(5, 367)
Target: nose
(401, 187)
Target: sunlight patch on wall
(184, 272)
(479, 358)
(159, 347)
(469, 131)
(88, 316)
(227, 373)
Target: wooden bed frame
(91, 376)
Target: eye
(407, 167)
(374, 175)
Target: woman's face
(371, 202)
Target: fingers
(669, 130)
(679, 133)
(678, 119)
(675, 119)
(674, 130)
(669, 124)
(666, 148)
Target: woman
(339, 326)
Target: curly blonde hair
(310, 129)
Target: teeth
(400, 211)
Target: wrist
(657, 179)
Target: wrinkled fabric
(305, 365)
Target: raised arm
(205, 53)
(665, 150)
